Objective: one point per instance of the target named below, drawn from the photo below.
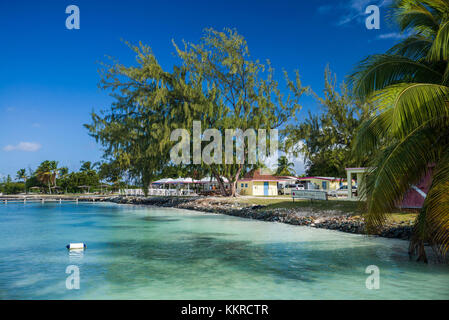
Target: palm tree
(285, 168)
(21, 175)
(47, 172)
(408, 132)
(88, 166)
(63, 173)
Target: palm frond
(409, 128)
(446, 76)
(371, 134)
(413, 14)
(440, 46)
(380, 71)
(437, 204)
(394, 171)
(414, 47)
(413, 105)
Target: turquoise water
(136, 252)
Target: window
(242, 185)
(246, 185)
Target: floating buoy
(76, 246)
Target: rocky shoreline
(332, 220)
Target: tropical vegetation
(216, 82)
(51, 179)
(325, 139)
(407, 133)
(285, 167)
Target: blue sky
(48, 83)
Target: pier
(47, 199)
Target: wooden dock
(48, 199)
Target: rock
(326, 219)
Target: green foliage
(10, 187)
(87, 166)
(112, 173)
(22, 175)
(285, 168)
(71, 182)
(48, 175)
(33, 181)
(216, 83)
(407, 134)
(326, 139)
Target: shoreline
(322, 219)
(330, 219)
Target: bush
(12, 188)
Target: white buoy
(76, 246)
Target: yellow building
(257, 183)
(323, 183)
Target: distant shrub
(12, 188)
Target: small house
(258, 183)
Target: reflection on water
(76, 255)
(136, 252)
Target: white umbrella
(163, 181)
(209, 179)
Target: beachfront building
(322, 183)
(359, 174)
(412, 199)
(258, 183)
(188, 184)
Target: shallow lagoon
(137, 252)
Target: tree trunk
(220, 183)
(420, 235)
(417, 248)
(234, 181)
(422, 252)
(222, 186)
(233, 188)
